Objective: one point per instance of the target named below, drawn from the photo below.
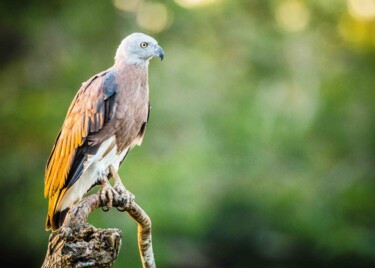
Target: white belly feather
(95, 167)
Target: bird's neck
(122, 66)
(128, 61)
(133, 73)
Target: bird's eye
(144, 44)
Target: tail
(57, 220)
(56, 216)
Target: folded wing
(91, 109)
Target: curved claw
(121, 209)
(105, 208)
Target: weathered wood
(79, 244)
(144, 235)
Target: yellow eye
(144, 44)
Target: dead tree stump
(79, 244)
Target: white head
(138, 48)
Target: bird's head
(138, 48)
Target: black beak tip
(160, 53)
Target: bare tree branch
(144, 235)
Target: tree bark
(79, 244)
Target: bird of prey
(106, 119)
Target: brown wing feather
(83, 118)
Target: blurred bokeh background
(260, 147)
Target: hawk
(106, 119)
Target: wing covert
(88, 113)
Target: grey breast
(132, 107)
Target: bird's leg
(107, 194)
(120, 189)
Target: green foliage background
(260, 148)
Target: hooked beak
(159, 52)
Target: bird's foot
(109, 196)
(127, 196)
